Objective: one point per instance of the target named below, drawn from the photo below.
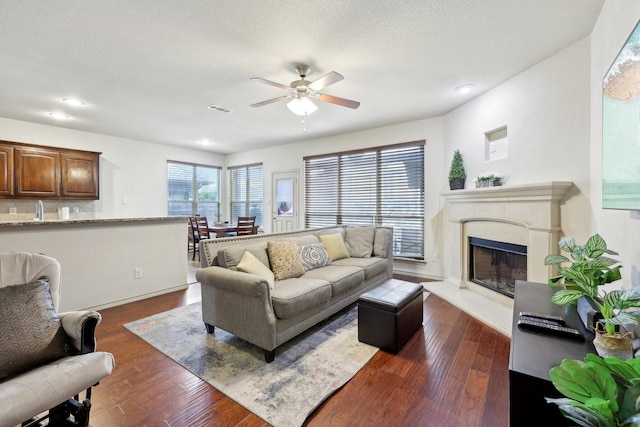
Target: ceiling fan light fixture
(302, 106)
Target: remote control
(557, 319)
(546, 321)
(549, 329)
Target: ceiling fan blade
(269, 82)
(326, 80)
(270, 101)
(339, 101)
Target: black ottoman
(389, 314)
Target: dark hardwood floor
(453, 372)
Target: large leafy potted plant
(457, 173)
(599, 392)
(590, 268)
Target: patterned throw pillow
(284, 260)
(314, 256)
(30, 328)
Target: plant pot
(618, 345)
(456, 184)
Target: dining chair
(202, 225)
(193, 241)
(246, 226)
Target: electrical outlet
(137, 273)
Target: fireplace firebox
(497, 265)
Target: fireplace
(496, 265)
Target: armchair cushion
(30, 328)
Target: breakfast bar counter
(106, 261)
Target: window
(381, 186)
(194, 190)
(245, 183)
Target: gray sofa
(267, 315)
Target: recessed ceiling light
(73, 101)
(218, 108)
(205, 142)
(465, 88)
(59, 116)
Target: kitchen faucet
(39, 211)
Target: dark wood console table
(533, 355)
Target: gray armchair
(47, 359)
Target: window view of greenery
(245, 183)
(383, 186)
(193, 190)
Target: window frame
(193, 201)
(245, 198)
(360, 187)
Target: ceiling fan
(302, 91)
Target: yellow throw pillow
(335, 246)
(250, 264)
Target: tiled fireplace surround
(527, 215)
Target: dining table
(221, 229)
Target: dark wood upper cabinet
(7, 188)
(47, 172)
(37, 172)
(79, 175)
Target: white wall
(136, 170)
(621, 229)
(546, 110)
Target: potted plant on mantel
(457, 174)
(589, 270)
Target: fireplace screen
(497, 265)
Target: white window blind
(193, 190)
(245, 191)
(381, 186)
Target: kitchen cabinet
(6, 171)
(37, 172)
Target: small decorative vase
(456, 184)
(618, 345)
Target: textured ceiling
(148, 69)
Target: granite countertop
(31, 222)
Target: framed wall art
(621, 128)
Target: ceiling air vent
(219, 108)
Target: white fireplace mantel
(527, 215)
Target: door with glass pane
(285, 206)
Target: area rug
(306, 370)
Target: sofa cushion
(341, 277)
(302, 240)
(371, 266)
(31, 330)
(230, 256)
(380, 244)
(335, 246)
(284, 259)
(291, 297)
(250, 264)
(314, 256)
(336, 230)
(359, 241)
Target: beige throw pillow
(250, 264)
(359, 241)
(335, 246)
(284, 259)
